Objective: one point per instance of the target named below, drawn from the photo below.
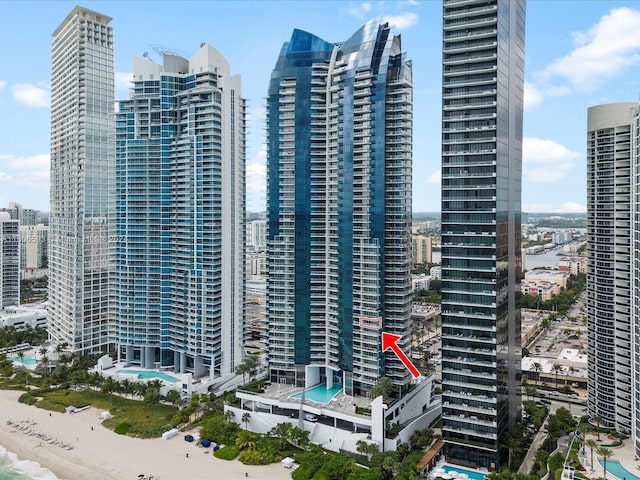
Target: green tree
(384, 387)
(152, 397)
(605, 453)
(246, 416)
(174, 397)
(556, 368)
(593, 445)
(109, 386)
(597, 420)
(246, 439)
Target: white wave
(30, 469)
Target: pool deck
(624, 454)
(341, 402)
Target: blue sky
(578, 54)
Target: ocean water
(13, 469)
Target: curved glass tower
(339, 209)
(483, 76)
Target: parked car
(309, 417)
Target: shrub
(27, 398)
(251, 457)
(228, 452)
(122, 428)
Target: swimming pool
(614, 467)
(147, 374)
(471, 474)
(320, 393)
(27, 360)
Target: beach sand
(100, 454)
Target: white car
(309, 417)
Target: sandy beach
(100, 454)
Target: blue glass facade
(179, 291)
(483, 76)
(339, 208)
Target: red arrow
(389, 341)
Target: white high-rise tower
(82, 181)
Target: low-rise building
(541, 289)
(548, 275)
(21, 317)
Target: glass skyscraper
(82, 182)
(339, 173)
(483, 76)
(180, 169)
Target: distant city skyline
(578, 54)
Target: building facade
(82, 182)
(34, 241)
(339, 153)
(9, 261)
(609, 321)
(180, 263)
(422, 249)
(483, 72)
(257, 235)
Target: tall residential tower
(339, 209)
(180, 168)
(9, 261)
(610, 296)
(483, 77)
(82, 182)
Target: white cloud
(123, 81)
(567, 207)
(602, 52)
(532, 96)
(3, 83)
(435, 178)
(545, 160)
(401, 22)
(38, 162)
(360, 10)
(256, 173)
(31, 171)
(31, 95)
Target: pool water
(320, 393)
(614, 467)
(27, 360)
(472, 474)
(147, 375)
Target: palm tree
(246, 439)
(152, 397)
(229, 416)
(21, 356)
(512, 445)
(537, 367)
(127, 386)
(556, 368)
(605, 453)
(597, 420)
(592, 444)
(245, 419)
(174, 397)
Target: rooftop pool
(149, 374)
(319, 393)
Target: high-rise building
(9, 261)
(257, 235)
(422, 249)
(482, 104)
(339, 153)
(34, 241)
(610, 295)
(180, 168)
(82, 181)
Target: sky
(578, 54)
